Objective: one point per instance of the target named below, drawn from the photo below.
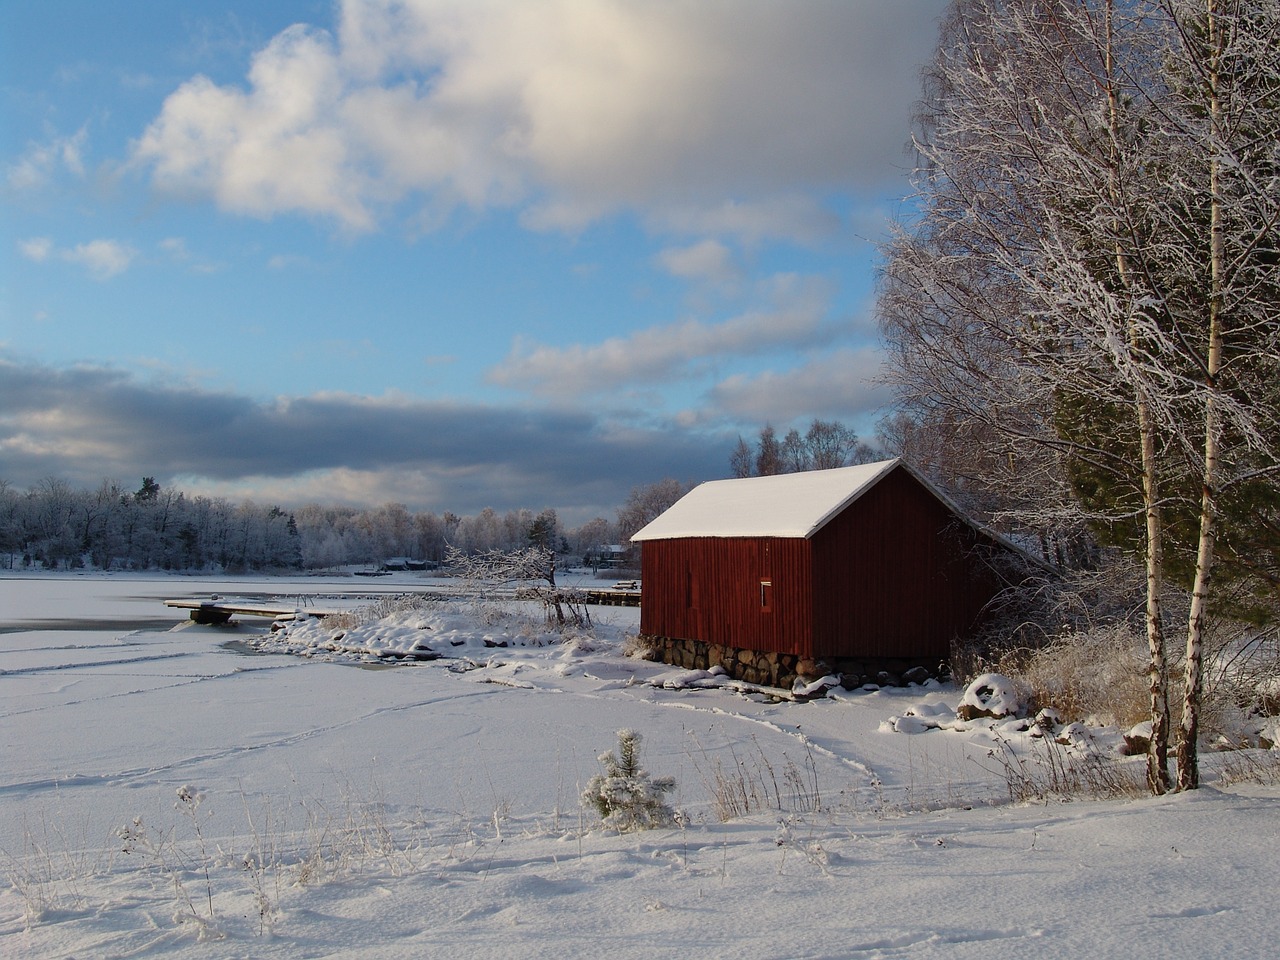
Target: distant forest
(55, 526)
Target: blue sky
(452, 254)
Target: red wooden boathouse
(855, 569)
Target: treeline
(827, 444)
(56, 526)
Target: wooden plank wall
(894, 575)
(709, 588)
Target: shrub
(1098, 674)
(625, 796)
(640, 647)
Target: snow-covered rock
(991, 695)
(814, 688)
(1137, 739)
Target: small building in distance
(400, 564)
(855, 571)
(609, 556)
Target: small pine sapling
(625, 796)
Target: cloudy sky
(453, 253)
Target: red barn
(853, 570)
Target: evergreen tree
(624, 795)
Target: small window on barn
(766, 595)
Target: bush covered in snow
(625, 796)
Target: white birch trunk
(1193, 679)
(1157, 669)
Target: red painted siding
(709, 588)
(894, 575)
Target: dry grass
(639, 647)
(49, 873)
(350, 840)
(1099, 676)
(1051, 771)
(303, 843)
(1250, 766)
(750, 782)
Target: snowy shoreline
(450, 800)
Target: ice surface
(353, 809)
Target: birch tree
(1089, 277)
(1224, 137)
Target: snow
(335, 802)
(785, 505)
(994, 694)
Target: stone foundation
(784, 669)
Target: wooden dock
(218, 610)
(615, 597)
(625, 593)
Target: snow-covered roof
(785, 505)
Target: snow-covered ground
(169, 789)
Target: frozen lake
(93, 601)
(110, 698)
(433, 807)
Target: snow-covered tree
(625, 795)
(531, 570)
(1091, 281)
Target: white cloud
(102, 258)
(42, 161)
(271, 150)
(288, 261)
(793, 319)
(177, 250)
(36, 248)
(703, 116)
(841, 385)
(708, 261)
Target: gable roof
(795, 505)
